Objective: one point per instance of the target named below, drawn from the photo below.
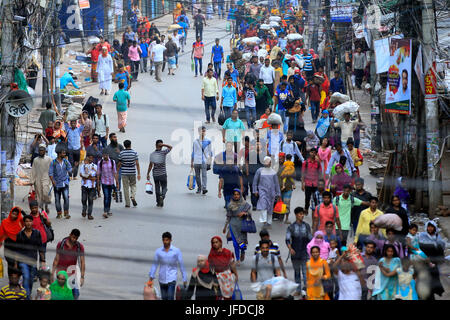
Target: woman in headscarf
(267, 188)
(317, 269)
(105, 71)
(431, 243)
(60, 289)
(339, 180)
(387, 274)
(323, 125)
(311, 141)
(318, 241)
(237, 210)
(222, 263)
(9, 229)
(203, 281)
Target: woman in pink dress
(324, 154)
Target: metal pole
(375, 97)
(56, 35)
(431, 107)
(7, 126)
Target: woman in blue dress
(386, 279)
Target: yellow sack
(323, 96)
(82, 154)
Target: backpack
(54, 162)
(352, 200)
(272, 259)
(63, 243)
(316, 212)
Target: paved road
(120, 249)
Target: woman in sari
(9, 229)
(323, 125)
(387, 275)
(339, 180)
(319, 242)
(237, 210)
(222, 263)
(324, 153)
(317, 270)
(60, 289)
(203, 281)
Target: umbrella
(346, 107)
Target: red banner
(84, 4)
(430, 83)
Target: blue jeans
(120, 178)
(28, 272)
(75, 291)
(282, 113)
(227, 198)
(103, 141)
(168, 290)
(228, 111)
(64, 192)
(107, 195)
(220, 10)
(199, 62)
(299, 266)
(251, 115)
(210, 103)
(315, 108)
(218, 67)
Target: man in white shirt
(150, 53)
(101, 125)
(267, 73)
(347, 127)
(88, 173)
(158, 57)
(200, 160)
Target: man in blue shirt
(59, 172)
(233, 73)
(74, 143)
(144, 55)
(184, 17)
(169, 259)
(281, 96)
(183, 30)
(217, 57)
(337, 84)
(308, 67)
(299, 83)
(243, 27)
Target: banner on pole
(398, 92)
(341, 10)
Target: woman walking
(222, 263)
(387, 277)
(324, 153)
(203, 281)
(237, 210)
(60, 289)
(105, 70)
(317, 270)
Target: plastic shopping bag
(192, 65)
(149, 187)
(82, 154)
(279, 207)
(191, 180)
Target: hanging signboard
(398, 92)
(84, 4)
(341, 10)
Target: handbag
(191, 180)
(280, 207)
(149, 187)
(248, 224)
(237, 293)
(221, 119)
(48, 230)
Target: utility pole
(79, 19)
(314, 8)
(8, 144)
(431, 106)
(57, 58)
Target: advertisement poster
(341, 10)
(398, 92)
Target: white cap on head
(267, 159)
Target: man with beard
(113, 149)
(40, 180)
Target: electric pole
(57, 58)
(431, 106)
(8, 145)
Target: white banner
(118, 7)
(418, 67)
(382, 53)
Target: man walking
(158, 165)
(210, 94)
(298, 235)
(359, 64)
(325, 212)
(199, 21)
(201, 159)
(88, 173)
(40, 179)
(198, 49)
(267, 73)
(74, 143)
(106, 176)
(122, 99)
(311, 173)
(48, 115)
(337, 84)
(29, 243)
(101, 125)
(113, 149)
(70, 258)
(129, 164)
(217, 56)
(169, 259)
(59, 172)
(229, 98)
(158, 58)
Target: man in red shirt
(95, 52)
(326, 212)
(311, 173)
(69, 253)
(313, 91)
(251, 32)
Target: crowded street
(173, 202)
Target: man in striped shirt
(129, 163)
(13, 291)
(158, 164)
(308, 67)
